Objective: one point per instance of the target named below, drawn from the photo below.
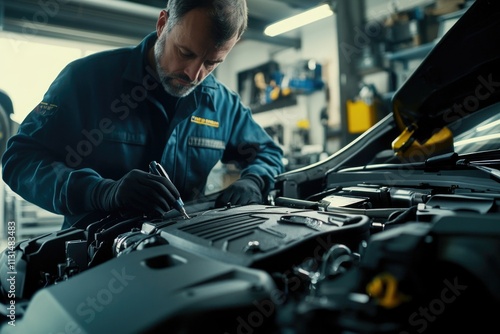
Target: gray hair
(230, 17)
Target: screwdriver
(157, 169)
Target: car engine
(364, 258)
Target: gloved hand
(246, 190)
(135, 191)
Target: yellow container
(360, 116)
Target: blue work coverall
(106, 114)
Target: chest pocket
(204, 153)
(126, 138)
(127, 150)
(206, 143)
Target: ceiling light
(298, 20)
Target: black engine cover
(264, 237)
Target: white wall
(319, 41)
(29, 64)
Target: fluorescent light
(477, 139)
(487, 126)
(299, 20)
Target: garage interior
(314, 89)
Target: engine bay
(361, 258)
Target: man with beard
(87, 146)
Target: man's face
(187, 54)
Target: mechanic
(85, 149)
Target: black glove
(135, 191)
(246, 190)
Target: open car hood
(458, 77)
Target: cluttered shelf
(282, 102)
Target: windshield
(477, 132)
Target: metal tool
(156, 168)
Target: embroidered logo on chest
(204, 121)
